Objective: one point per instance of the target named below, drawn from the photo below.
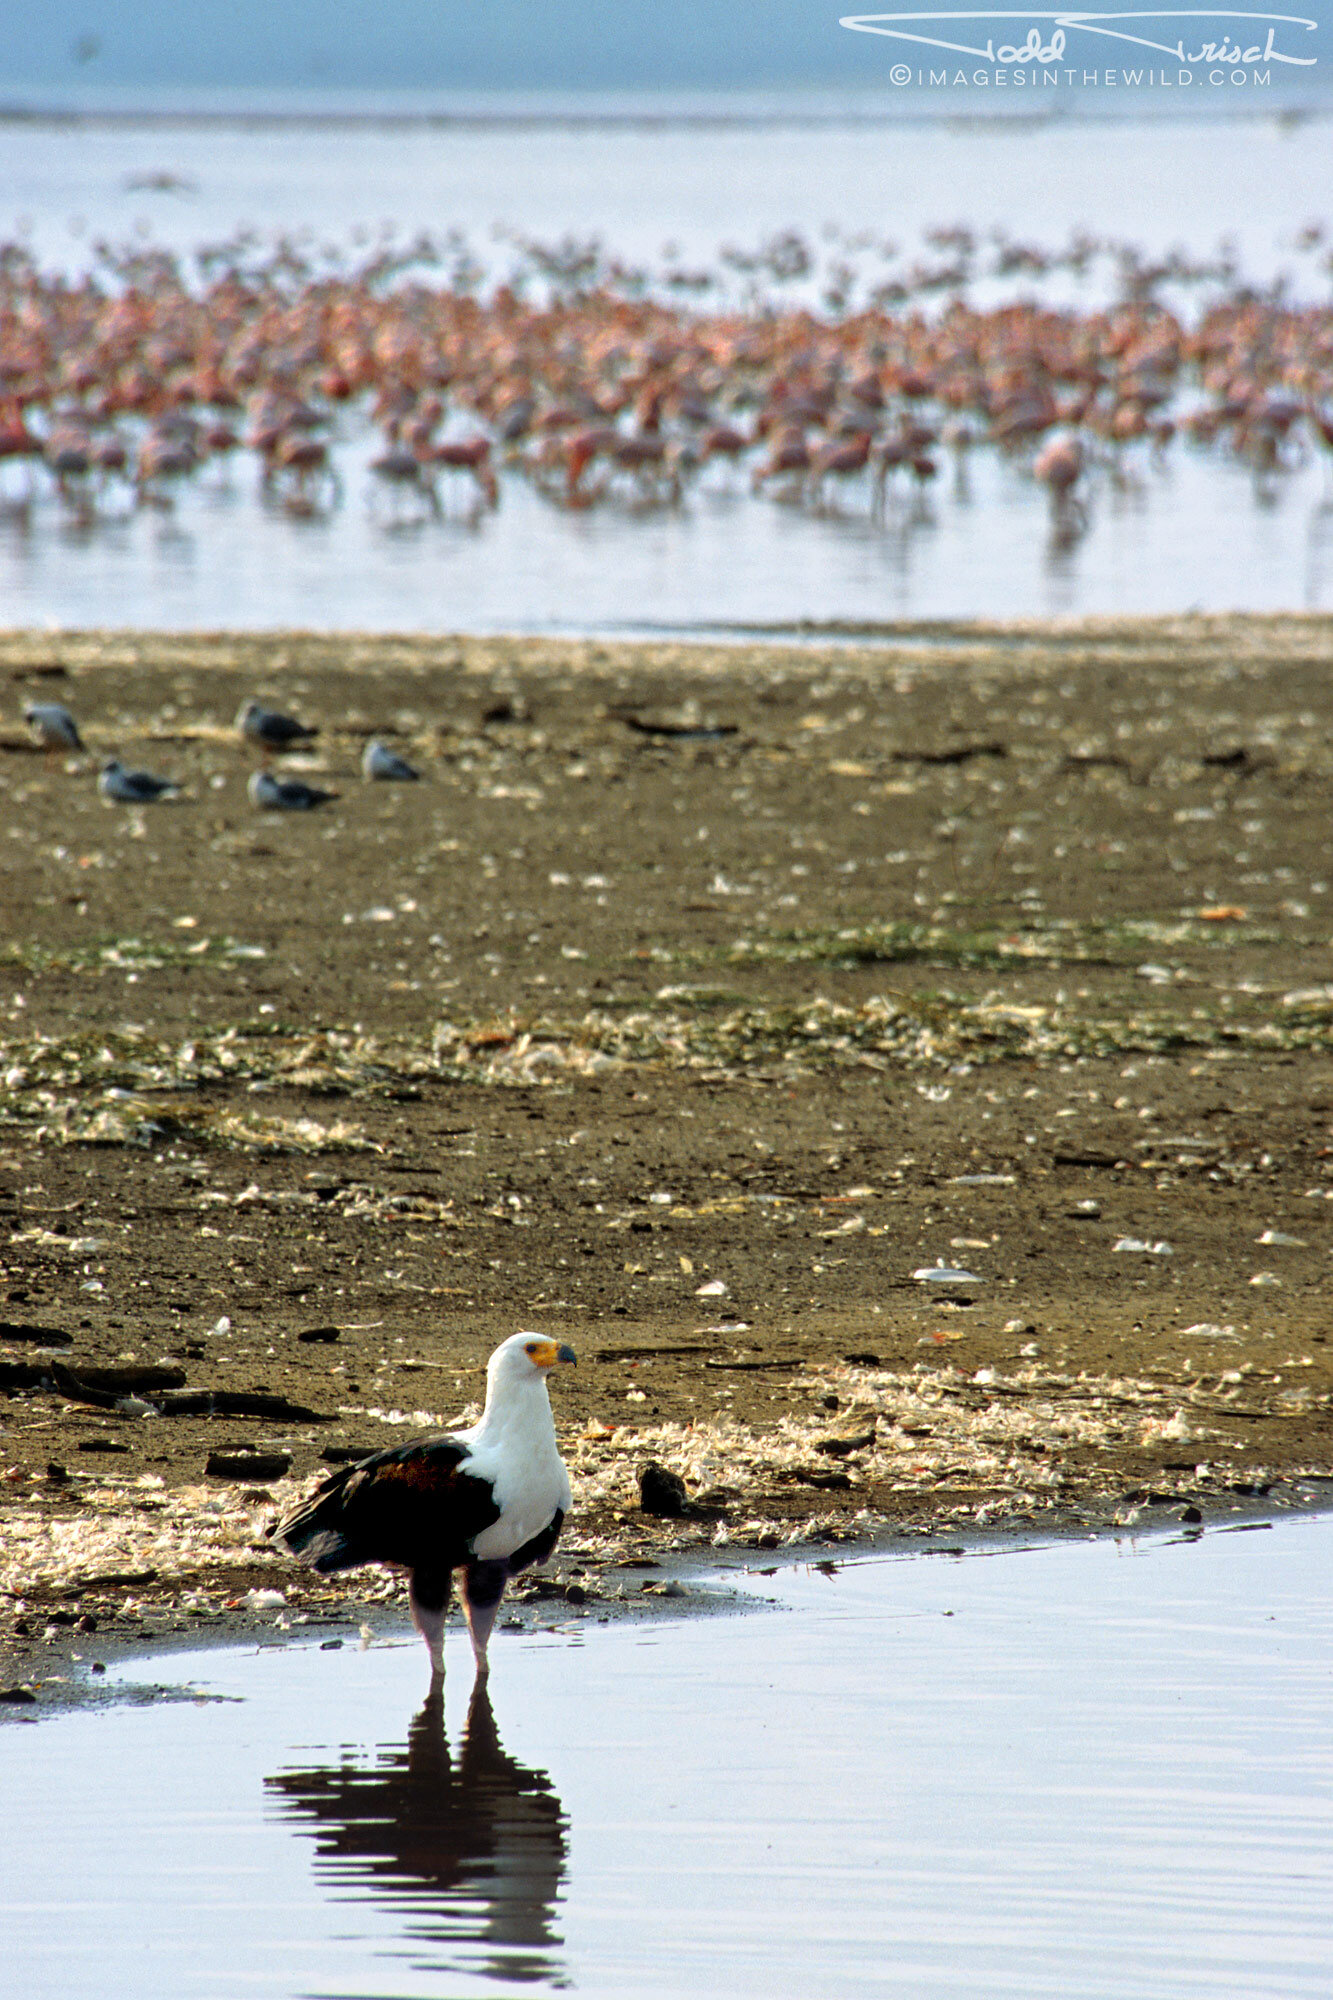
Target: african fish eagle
(488, 1501)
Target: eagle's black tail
(318, 1533)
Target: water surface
(1094, 1768)
(1158, 183)
(1192, 535)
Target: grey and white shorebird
(379, 761)
(53, 725)
(285, 794)
(271, 730)
(487, 1501)
(133, 788)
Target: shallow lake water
(1098, 1769)
(1190, 535)
(698, 171)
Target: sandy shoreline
(697, 997)
(65, 1668)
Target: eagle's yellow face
(547, 1353)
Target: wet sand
(694, 1000)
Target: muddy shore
(695, 1001)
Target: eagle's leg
(428, 1596)
(483, 1587)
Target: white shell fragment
(1143, 1249)
(946, 1274)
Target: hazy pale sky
(50, 45)
(432, 44)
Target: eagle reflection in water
(473, 1849)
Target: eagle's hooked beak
(548, 1353)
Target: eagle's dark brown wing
(416, 1504)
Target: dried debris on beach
(899, 1067)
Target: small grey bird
(271, 730)
(53, 726)
(379, 761)
(133, 788)
(285, 794)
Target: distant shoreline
(622, 111)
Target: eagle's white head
(523, 1358)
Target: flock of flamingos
(119, 388)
